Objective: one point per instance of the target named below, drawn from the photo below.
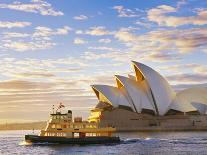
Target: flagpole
(53, 108)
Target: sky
(52, 51)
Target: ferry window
(53, 125)
(58, 126)
(76, 134)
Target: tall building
(147, 102)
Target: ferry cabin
(62, 125)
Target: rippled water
(148, 143)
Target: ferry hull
(65, 140)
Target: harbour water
(139, 143)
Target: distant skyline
(52, 51)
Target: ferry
(62, 129)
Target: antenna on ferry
(53, 108)
(60, 106)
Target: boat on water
(62, 129)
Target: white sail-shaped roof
(189, 100)
(110, 94)
(149, 90)
(132, 77)
(161, 91)
(202, 108)
(136, 92)
(121, 87)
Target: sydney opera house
(146, 102)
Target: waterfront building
(146, 101)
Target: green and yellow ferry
(62, 129)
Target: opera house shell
(146, 102)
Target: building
(147, 102)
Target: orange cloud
(161, 16)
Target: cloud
(144, 24)
(40, 39)
(34, 75)
(79, 41)
(22, 46)
(192, 68)
(180, 87)
(80, 17)
(35, 6)
(186, 74)
(179, 41)
(23, 96)
(161, 16)
(45, 69)
(200, 69)
(104, 48)
(30, 95)
(113, 56)
(120, 57)
(125, 36)
(22, 85)
(181, 3)
(179, 68)
(97, 31)
(79, 32)
(13, 24)
(160, 57)
(187, 78)
(14, 35)
(123, 12)
(106, 41)
(43, 77)
(41, 31)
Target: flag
(61, 106)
